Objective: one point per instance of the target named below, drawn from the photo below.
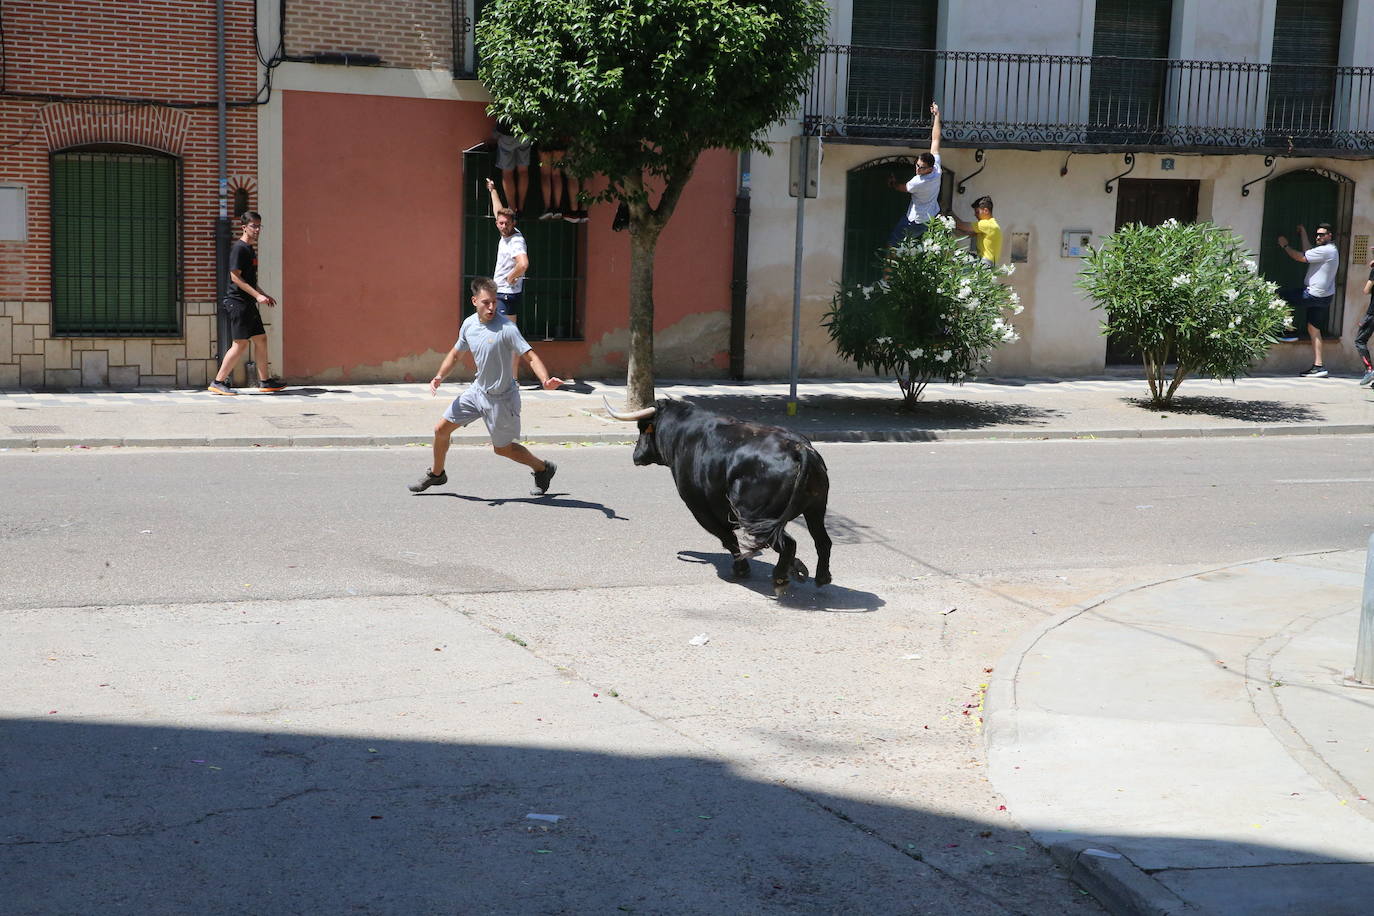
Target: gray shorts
(511, 152)
(502, 415)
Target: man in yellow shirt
(987, 234)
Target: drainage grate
(35, 429)
(308, 421)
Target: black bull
(736, 475)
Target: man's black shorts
(244, 319)
(508, 304)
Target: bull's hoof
(822, 580)
(799, 571)
(740, 569)
(779, 587)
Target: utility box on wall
(1076, 243)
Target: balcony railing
(1038, 101)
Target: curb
(619, 438)
(1115, 881)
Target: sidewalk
(864, 410)
(1191, 746)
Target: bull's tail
(767, 532)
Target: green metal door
(871, 209)
(1306, 197)
(553, 285)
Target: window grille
(554, 284)
(116, 244)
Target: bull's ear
(649, 429)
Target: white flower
(948, 221)
(1181, 280)
(884, 341)
(960, 374)
(1007, 270)
(1171, 222)
(1018, 310)
(917, 353)
(929, 245)
(1010, 336)
(867, 291)
(944, 357)
(1251, 266)
(1231, 295)
(1235, 321)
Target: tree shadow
(551, 500)
(838, 418)
(1233, 409)
(799, 595)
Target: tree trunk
(639, 380)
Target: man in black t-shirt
(1365, 331)
(242, 296)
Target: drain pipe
(739, 271)
(222, 223)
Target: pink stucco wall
(372, 246)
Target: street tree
(1188, 297)
(639, 89)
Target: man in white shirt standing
(1319, 287)
(512, 261)
(924, 188)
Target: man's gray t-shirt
(492, 345)
(1321, 270)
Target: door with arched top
(1306, 197)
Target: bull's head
(646, 449)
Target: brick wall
(162, 54)
(403, 33)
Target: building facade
(111, 177)
(1076, 117)
(359, 131)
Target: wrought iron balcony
(1050, 101)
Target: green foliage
(639, 89)
(1187, 295)
(938, 312)
(642, 86)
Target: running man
(493, 396)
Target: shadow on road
(1235, 409)
(872, 415)
(799, 595)
(189, 820)
(552, 500)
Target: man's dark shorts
(906, 229)
(245, 320)
(1316, 309)
(508, 304)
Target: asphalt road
(275, 681)
(105, 527)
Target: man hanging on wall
(924, 188)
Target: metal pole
(797, 270)
(1364, 648)
(221, 224)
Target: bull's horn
(628, 415)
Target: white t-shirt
(925, 195)
(1322, 262)
(506, 250)
(492, 345)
